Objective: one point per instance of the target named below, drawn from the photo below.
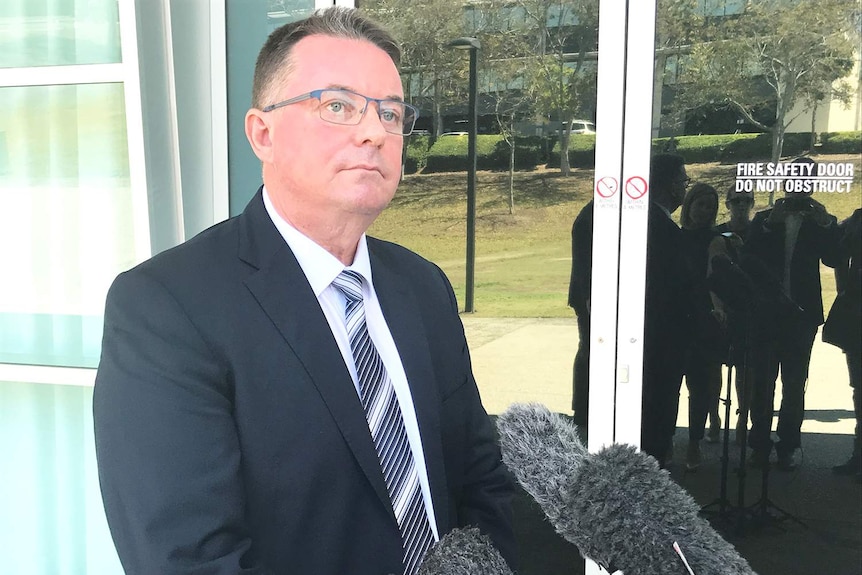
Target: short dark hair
(662, 171)
(273, 61)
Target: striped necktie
(387, 427)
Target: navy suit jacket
(229, 435)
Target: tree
(777, 53)
(561, 77)
(679, 24)
(501, 28)
(423, 29)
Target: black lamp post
(473, 45)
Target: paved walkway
(517, 360)
(530, 359)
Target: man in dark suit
(250, 397)
(790, 239)
(666, 311)
(580, 283)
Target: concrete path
(517, 360)
(530, 359)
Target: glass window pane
(58, 32)
(66, 222)
(52, 520)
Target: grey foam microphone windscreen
(464, 551)
(617, 506)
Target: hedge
(449, 153)
(841, 143)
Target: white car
(583, 127)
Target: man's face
(317, 172)
(740, 206)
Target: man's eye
(339, 107)
(390, 115)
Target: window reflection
(59, 33)
(67, 225)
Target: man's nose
(370, 125)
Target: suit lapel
(281, 289)
(401, 310)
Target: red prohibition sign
(636, 187)
(606, 187)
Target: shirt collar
(320, 266)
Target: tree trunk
(777, 147)
(813, 128)
(785, 98)
(438, 115)
(565, 132)
(512, 175)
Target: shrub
(582, 151)
(449, 153)
(841, 143)
(416, 154)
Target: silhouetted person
(791, 239)
(579, 300)
(740, 205)
(848, 280)
(735, 230)
(708, 347)
(666, 324)
(666, 315)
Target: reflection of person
(579, 300)
(791, 239)
(708, 345)
(740, 205)
(230, 412)
(848, 279)
(666, 313)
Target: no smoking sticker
(606, 187)
(636, 187)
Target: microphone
(464, 551)
(616, 506)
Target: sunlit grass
(523, 259)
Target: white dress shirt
(321, 268)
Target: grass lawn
(523, 258)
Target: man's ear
(257, 130)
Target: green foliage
(841, 143)
(416, 154)
(429, 68)
(724, 148)
(582, 152)
(776, 54)
(523, 259)
(449, 153)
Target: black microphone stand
(722, 502)
(742, 427)
(760, 509)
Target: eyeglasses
(339, 106)
(684, 181)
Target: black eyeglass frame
(411, 113)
